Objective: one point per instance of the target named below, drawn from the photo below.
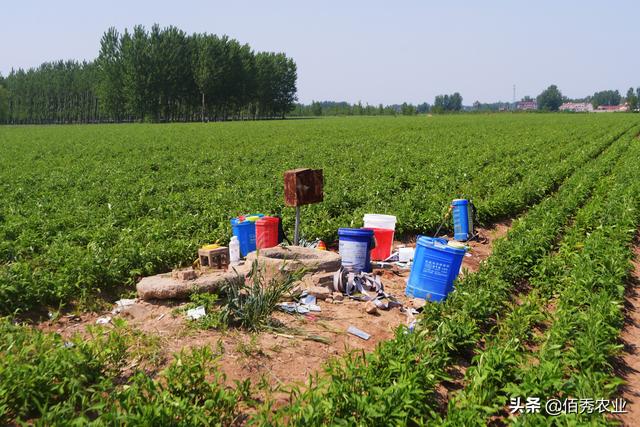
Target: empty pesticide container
(435, 267)
(383, 227)
(245, 230)
(267, 232)
(462, 219)
(355, 245)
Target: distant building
(612, 108)
(577, 107)
(527, 105)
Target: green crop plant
(87, 210)
(540, 317)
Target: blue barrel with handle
(435, 267)
(355, 246)
(462, 219)
(245, 231)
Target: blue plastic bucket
(462, 220)
(245, 231)
(435, 268)
(355, 245)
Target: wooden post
(296, 233)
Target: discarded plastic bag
(196, 313)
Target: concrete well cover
(296, 257)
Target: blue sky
(371, 51)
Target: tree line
(158, 75)
(442, 104)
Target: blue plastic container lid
(355, 232)
(459, 202)
(440, 244)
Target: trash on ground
(293, 307)
(313, 307)
(103, 320)
(196, 313)
(358, 285)
(358, 332)
(300, 308)
(121, 304)
(308, 299)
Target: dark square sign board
(303, 187)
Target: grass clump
(250, 302)
(244, 302)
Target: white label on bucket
(435, 268)
(354, 255)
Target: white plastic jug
(234, 250)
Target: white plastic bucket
(387, 222)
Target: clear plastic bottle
(234, 250)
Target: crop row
(396, 383)
(90, 209)
(559, 342)
(45, 380)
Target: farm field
(87, 210)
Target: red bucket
(384, 244)
(267, 232)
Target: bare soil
(281, 358)
(629, 366)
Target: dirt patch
(629, 366)
(280, 358)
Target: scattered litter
(68, 344)
(357, 287)
(121, 304)
(196, 313)
(103, 320)
(393, 257)
(358, 332)
(403, 265)
(300, 308)
(308, 299)
(293, 307)
(467, 254)
(382, 305)
(161, 316)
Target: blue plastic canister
(355, 245)
(245, 231)
(462, 220)
(435, 268)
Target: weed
(250, 302)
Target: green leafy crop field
(88, 209)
